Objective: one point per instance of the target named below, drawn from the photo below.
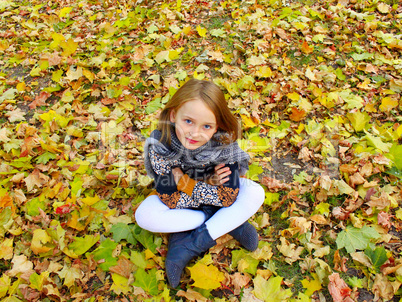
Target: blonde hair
(213, 98)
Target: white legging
(153, 215)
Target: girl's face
(195, 124)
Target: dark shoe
(183, 247)
(209, 210)
(247, 235)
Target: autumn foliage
(317, 86)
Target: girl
(196, 163)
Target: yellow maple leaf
(65, 11)
(264, 72)
(388, 103)
(69, 274)
(89, 75)
(89, 201)
(201, 31)
(69, 47)
(206, 276)
(40, 238)
(247, 121)
(311, 285)
(57, 39)
(120, 284)
(21, 86)
(294, 96)
(3, 45)
(6, 249)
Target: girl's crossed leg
(153, 215)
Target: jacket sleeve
(190, 193)
(222, 195)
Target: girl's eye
(207, 127)
(187, 121)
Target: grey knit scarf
(208, 155)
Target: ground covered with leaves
(317, 86)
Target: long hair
(213, 98)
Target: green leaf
(123, 231)
(38, 280)
(105, 253)
(147, 281)
(377, 257)
(218, 32)
(244, 262)
(8, 94)
(33, 206)
(362, 56)
(271, 290)
(353, 101)
(153, 105)
(377, 142)
(270, 198)
(83, 244)
(45, 157)
(355, 282)
(13, 144)
(340, 75)
(253, 171)
(395, 171)
(146, 238)
(5, 282)
(353, 239)
(395, 154)
(76, 186)
(138, 259)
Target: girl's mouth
(191, 141)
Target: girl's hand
(177, 174)
(220, 176)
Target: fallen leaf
(289, 250)
(339, 290)
(206, 276)
(21, 265)
(192, 295)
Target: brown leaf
(340, 262)
(273, 184)
(40, 100)
(305, 154)
(370, 192)
(340, 213)
(356, 179)
(381, 202)
(338, 289)
(382, 288)
(319, 219)
(348, 169)
(281, 33)
(239, 281)
(35, 179)
(124, 267)
(27, 148)
(192, 295)
(297, 114)
(354, 205)
(383, 219)
(390, 270)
